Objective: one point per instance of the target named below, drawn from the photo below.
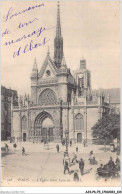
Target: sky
(90, 29)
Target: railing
(45, 105)
(15, 107)
(65, 103)
(45, 81)
(78, 103)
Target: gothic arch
(47, 97)
(41, 128)
(79, 122)
(24, 123)
(41, 117)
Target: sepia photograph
(60, 94)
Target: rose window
(47, 97)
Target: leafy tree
(107, 128)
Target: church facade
(60, 101)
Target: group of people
(14, 146)
(66, 163)
(111, 169)
(23, 149)
(111, 165)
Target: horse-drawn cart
(107, 173)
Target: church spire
(58, 27)
(58, 41)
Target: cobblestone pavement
(41, 167)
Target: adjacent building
(6, 97)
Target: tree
(107, 128)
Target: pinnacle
(35, 64)
(48, 51)
(63, 63)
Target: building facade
(60, 101)
(6, 96)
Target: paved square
(41, 167)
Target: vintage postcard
(60, 93)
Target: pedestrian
(74, 158)
(66, 157)
(84, 143)
(57, 147)
(101, 167)
(91, 157)
(91, 153)
(15, 146)
(6, 147)
(63, 142)
(117, 160)
(117, 163)
(70, 143)
(81, 166)
(111, 163)
(66, 166)
(76, 177)
(76, 149)
(23, 151)
(94, 161)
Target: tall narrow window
(24, 123)
(79, 122)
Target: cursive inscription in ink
(32, 44)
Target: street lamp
(67, 138)
(85, 112)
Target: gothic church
(59, 101)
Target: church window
(24, 123)
(79, 122)
(47, 97)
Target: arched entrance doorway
(44, 127)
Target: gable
(48, 69)
(48, 72)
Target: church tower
(58, 42)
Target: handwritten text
(10, 11)
(30, 47)
(26, 23)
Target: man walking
(57, 147)
(14, 146)
(23, 151)
(81, 166)
(66, 166)
(84, 143)
(6, 147)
